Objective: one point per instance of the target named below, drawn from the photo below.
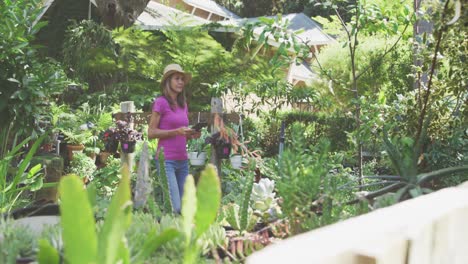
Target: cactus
(233, 216)
(167, 205)
(245, 204)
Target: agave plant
(405, 154)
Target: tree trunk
(118, 13)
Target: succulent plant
(263, 199)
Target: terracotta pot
(74, 148)
(103, 157)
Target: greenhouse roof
(158, 16)
(212, 7)
(307, 29)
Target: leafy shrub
(307, 179)
(82, 165)
(16, 241)
(107, 178)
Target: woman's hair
(180, 97)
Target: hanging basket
(128, 146)
(223, 150)
(197, 159)
(236, 161)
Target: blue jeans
(176, 173)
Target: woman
(169, 123)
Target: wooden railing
(426, 230)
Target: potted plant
(197, 149)
(92, 152)
(228, 145)
(76, 139)
(83, 166)
(127, 136)
(110, 139)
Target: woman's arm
(155, 132)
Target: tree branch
(386, 52)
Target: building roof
(157, 16)
(301, 72)
(212, 7)
(308, 30)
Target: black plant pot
(111, 146)
(128, 147)
(223, 150)
(37, 210)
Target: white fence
(426, 230)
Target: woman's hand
(184, 131)
(195, 134)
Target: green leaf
(208, 199)
(25, 163)
(34, 170)
(47, 253)
(92, 193)
(415, 192)
(79, 234)
(37, 184)
(153, 242)
(123, 254)
(189, 206)
(116, 222)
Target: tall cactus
(164, 183)
(245, 204)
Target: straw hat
(173, 68)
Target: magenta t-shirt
(174, 147)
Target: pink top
(174, 147)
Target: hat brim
(187, 76)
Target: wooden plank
(427, 229)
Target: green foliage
(377, 73)
(89, 50)
(232, 214)
(198, 144)
(17, 241)
(162, 184)
(303, 181)
(107, 178)
(84, 245)
(315, 125)
(199, 209)
(80, 245)
(47, 253)
(82, 166)
(245, 203)
(26, 81)
(241, 217)
(17, 178)
(406, 155)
